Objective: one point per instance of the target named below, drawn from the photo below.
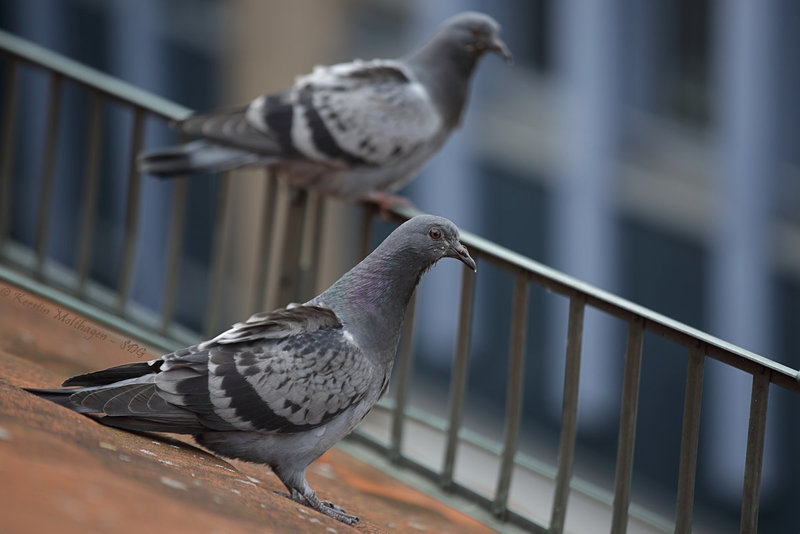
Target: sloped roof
(64, 472)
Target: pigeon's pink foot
(385, 201)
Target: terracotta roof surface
(64, 472)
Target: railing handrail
(681, 333)
(80, 73)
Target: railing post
(569, 414)
(48, 159)
(402, 381)
(756, 433)
(90, 189)
(690, 434)
(219, 253)
(279, 226)
(7, 145)
(519, 318)
(287, 232)
(288, 281)
(627, 427)
(268, 214)
(177, 221)
(365, 229)
(458, 382)
(308, 265)
(131, 212)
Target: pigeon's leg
(301, 492)
(385, 200)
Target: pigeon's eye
(435, 233)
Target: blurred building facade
(647, 147)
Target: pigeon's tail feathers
(132, 395)
(197, 156)
(138, 406)
(129, 405)
(115, 374)
(62, 397)
(136, 424)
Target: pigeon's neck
(371, 300)
(445, 69)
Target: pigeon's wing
(286, 371)
(358, 113)
(276, 325)
(232, 128)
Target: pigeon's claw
(311, 500)
(338, 513)
(329, 504)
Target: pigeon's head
(430, 238)
(475, 33)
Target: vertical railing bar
(756, 432)
(177, 222)
(458, 382)
(309, 227)
(48, 165)
(219, 253)
(90, 189)
(690, 434)
(312, 239)
(569, 413)
(519, 318)
(278, 242)
(316, 250)
(265, 240)
(290, 267)
(627, 427)
(402, 381)
(131, 212)
(7, 140)
(368, 211)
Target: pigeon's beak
(459, 252)
(499, 47)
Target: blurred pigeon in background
(353, 130)
(282, 387)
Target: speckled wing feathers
(285, 371)
(362, 113)
(288, 385)
(352, 114)
(282, 372)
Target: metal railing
(699, 346)
(292, 222)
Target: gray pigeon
(353, 130)
(284, 386)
